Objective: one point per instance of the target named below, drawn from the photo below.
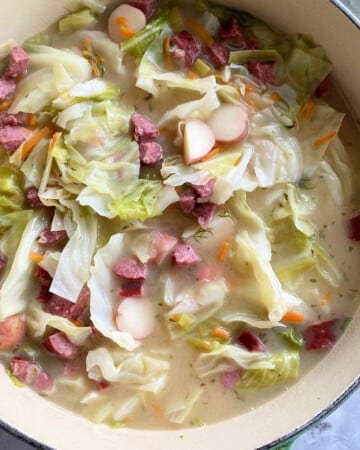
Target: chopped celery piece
(77, 21)
(176, 20)
(286, 366)
(138, 44)
(292, 337)
(244, 56)
(37, 39)
(201, 68)
(205, 345)
(186, 321)
(96, 6)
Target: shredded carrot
(32, 120)
(213, 152)
(77, 323)
(248, 88)
(175, 318)
(293, 316)
(275, 97)
(223, 251)
(200, 31)
(87, 44)
(127, 32)
(95, 70)
(122, 21)
(325, 299)
(251, 104)
(219, 78)
(307, 110)
(36, 257)
(325, 139)
(221, 333)
(238, 161)
(54, 140)
(34, 139)
(192, 75)
(5, 105)
(167, 56)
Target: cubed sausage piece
(18, 63)
(143, 128)
(264, 71)
(32, 197)
(61, 346)
(43, 276)
(150, 152)
(185, 255)
(130, 269)
(205, 190)
(64, 308)
(251, 342)
(132, 288)
(148, 7)
(50, 238)
(189, 46)
(218, 54)
(7, 88)
(12, 137)
(12, 332)
(164, 243)
(204, 213)
(31, 374)
(230, 30)
(188, 200)
(320, 336)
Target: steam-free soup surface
(178, 212)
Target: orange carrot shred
(238, 161)
(221, 333)
(5, 105)
(167, 56)
(77, 323)
(32, 120)
(223, 251)
(36, 257)
(87, 44)
(54, 141)
(213, 152)
(34, 139)
(192, 75)
(200, 31)
(307, 110)
(275, 97)
(325, 139)
(293, 317)
(248, 88)
(127, 32)
(325, 299)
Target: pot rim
(283, 440)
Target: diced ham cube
(205, 190)
(320, 336)
(61, 307)
(230, 31)
(61, 346)
(163, 243)
(204, 213)
(12, 120)
(188, 200)
(18, 63)
(130, 269)
(148, 7)
(12, 332)
(31, 374)
(189, 46)
(103, 386)
(43, 382)
(143, 127)
(150, 152)
(132, 288)
(32, 197)
(185, 255)
(218, 54)
(264, 71)
(50, 238)
(354, 228)
(12, 137)
(44, 294)
(252, 342)
(229, 379)
(43, 276)
(7, 88)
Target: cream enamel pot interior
(42, 421)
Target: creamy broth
(171, 368)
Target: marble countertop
(339, 431)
